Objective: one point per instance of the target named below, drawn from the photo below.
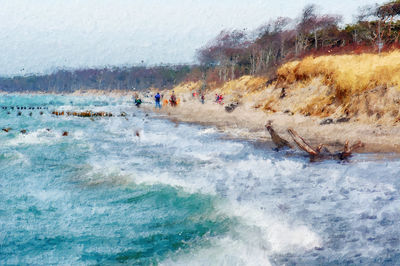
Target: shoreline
(248, 123)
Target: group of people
(218, 98)
(173, 101)
(158, 98)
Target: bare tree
(387, 12)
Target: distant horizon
(72, 69)
(42, 37)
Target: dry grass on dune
(231, 90)
(186, 87)
(347, 74)
(244, 84)
(351, 85)
(363, 87)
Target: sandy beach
(249, 123)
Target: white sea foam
(273, 230)
(207, 131)
(40, 136)
(192, 186)
(223, 251)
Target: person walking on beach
(157, 99)
(138, 101)
(172, 99)
(220, 98)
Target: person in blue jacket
(157, 99)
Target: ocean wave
(182, 195)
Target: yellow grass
(186, 87)
(365, 85)
(361, 87)
(232, 90)
(243, 86)
(347, 74)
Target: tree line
(234, 53)
(126, 78)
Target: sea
(139, 189)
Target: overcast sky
(44, 35)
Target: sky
(42, 36)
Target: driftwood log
(320, 152)
(276, 139)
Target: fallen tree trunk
(319, 153)
(303, 145)
(276, 139)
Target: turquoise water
(180, 194)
